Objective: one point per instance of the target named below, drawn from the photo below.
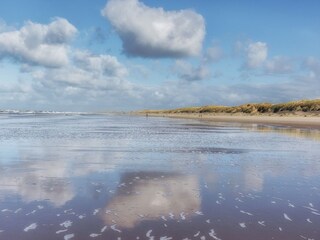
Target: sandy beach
(312, 122)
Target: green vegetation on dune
(303, 106)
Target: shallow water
(126, 177)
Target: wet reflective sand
(125, 177)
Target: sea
(125, 177)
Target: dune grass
(303, 106)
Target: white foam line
(165, 238)
(308, 220)
(243, 225)
(34, 211)
(250, 214)
(277, 198)
(262, 223)
(103, 229)
(96, 211)
(164, 218)
(287, 217)
(316, 213)
(18, 210)
(68, 236)
(113, 227)
(197, 234)
(66, 224)
(198, 213)
(67, 210)
(61, 231)
(31, 227)
(148, 235)
(310, 208)
(303, 237)
(94, 235)
(213, 235)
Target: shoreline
(310, 122)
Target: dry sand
(290, 120)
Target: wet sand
(130, 177)
(291, 120)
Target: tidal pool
(129, 177)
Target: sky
(120, 55)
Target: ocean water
(72, 176)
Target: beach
(301, 121)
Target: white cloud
(4, 27)
(154, 32)
(38, 44)
(103, 64)
(214, 54)
(60, 31)
(256, 58)
(278, 65)
(73, 88)
(257, 53)
(190, 73)
(88, 82)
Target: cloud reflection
(44, 173)
(152, 196)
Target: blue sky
(95, 55)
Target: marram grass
(303, 106)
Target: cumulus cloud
(38, 44)
(256, 58)
(103, 64)
(86, 71)
(257, 53)
(88, 82)
(79, 90)
(59, 31)
(188, 72)
(154, 32)
(278, 65)
(213, 54)
(4, 27)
